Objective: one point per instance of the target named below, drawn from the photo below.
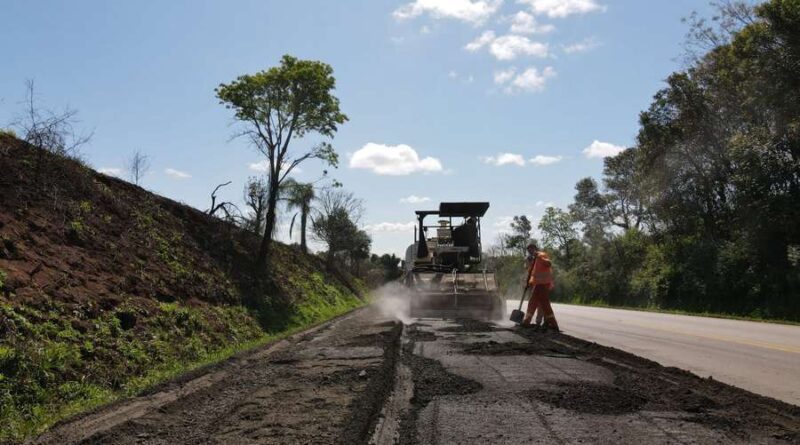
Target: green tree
(558, 232)
(275, 107)
(520, 234)
(299, 196)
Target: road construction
(760, 357)
(368, 378)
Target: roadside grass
(754, 317)
(72, 398)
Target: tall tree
(298, 197)
(279, 105)
(336, 222)
(558, 231)
(520, 234)
(138, 165)
(255, 198)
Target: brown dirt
(93, 241)
(643, 384)
(305, 392)
(430, 380)
(468, 325)
(513, 348)
(590, 398)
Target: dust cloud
(392, 300)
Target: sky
(506, 101)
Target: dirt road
(363, 379)
(324, 386)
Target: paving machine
(443, 271)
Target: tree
(590, 210)
(275, 107)
(359, 250)
(138, 165)
(520, 234)
(558, 231)
(49, 130)
(255, 198)
(336, 222)
(298, 196)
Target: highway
(760, 357)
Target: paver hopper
(443, 266)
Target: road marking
(738, 340)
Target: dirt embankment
(106, 288)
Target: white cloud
(393, 160)
(562, 8)
(599, 149)
(543, 160)
(390, 227)
(544, 204)
(504, 159)
(413, 199)
(503, 223)
(482, 40)
(263, 167)
(508, 47)
(111, 171)
(397, 40)
(582, 46)
(452, 75)
(524, 23)
(470, 11)
(503, 76)
(425, 29)
(177, 174)
(531, 80)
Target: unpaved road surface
(761, 357)
(364, 379)
(324, 386)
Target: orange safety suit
(541, 281)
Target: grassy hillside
(106, 288)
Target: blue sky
(438, 92)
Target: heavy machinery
(443, 270)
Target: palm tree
(298, 196)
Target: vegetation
(131, 289)
(280, 104)
(701, 214)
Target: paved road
(760, 357)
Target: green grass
(57, 401)
(756, 318)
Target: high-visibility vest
(542, 272)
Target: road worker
(540, 280)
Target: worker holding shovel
(540, 279)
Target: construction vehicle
(443, 271)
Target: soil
(512, 348)
(310, 389)
(590, 398)
(468, 325)
(414, 333)
(646, 385)
(431, 380)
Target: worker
(540, 280)
(528, 263)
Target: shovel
(517, 315)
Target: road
(760, 357)
(365, 378)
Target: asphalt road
(760, 357)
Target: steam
(392, 302)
